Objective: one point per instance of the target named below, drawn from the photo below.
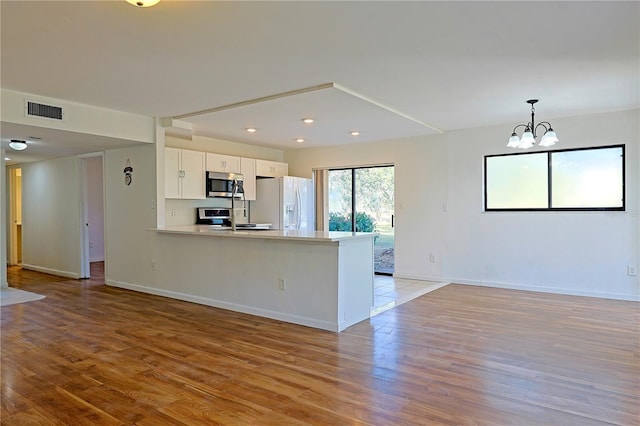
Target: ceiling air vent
(35, 109)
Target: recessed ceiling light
(307, 120)
(7, 158)
(299, 140)
(355, 133)
(252, 130)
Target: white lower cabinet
(184, 174)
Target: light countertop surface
(272, 234)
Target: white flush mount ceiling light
(251, 129)
(528, 138)
(18, 145)
(308, 120)
(143, 3)
(355, 133)
(299, 140)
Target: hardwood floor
(92, 354)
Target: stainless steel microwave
(225, 185)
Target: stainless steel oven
(220, 218)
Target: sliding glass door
(361, 200)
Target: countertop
(272, 234)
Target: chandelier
(528, 138)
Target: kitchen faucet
(234, 189)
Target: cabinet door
(281, 169)
(248, 170)
(232, 164)
(265, 168)
(193, 175)
(172, 173)
(215, 162)
(222, 163)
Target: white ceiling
(388, 69)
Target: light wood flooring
(389, 292)
(89, 354)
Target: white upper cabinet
(222, 163)
(193, 176)
(266, 168)
(172, 173)
(184, 174)
(248, 170)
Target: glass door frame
(354, 196)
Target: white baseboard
(295, 319)
(516, 286)
(420, 277)
(66, 274)
(544, 289)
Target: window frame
(549, 154)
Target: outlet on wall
(282, 284)
(432, 257)
(632, 270)
(153, 265)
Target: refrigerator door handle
(299, 207)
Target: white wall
(51, 216)
(220, 146)
(130, 211)
(439, 210)
(78, 118)
(95, 204)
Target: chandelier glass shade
(529, 135)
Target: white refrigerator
(285, 202)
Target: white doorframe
(85, 256)
(13, 257)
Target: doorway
(361, 199)
(15, 216)
(92, 242)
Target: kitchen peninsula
(318, 279)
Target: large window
(570, 179)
